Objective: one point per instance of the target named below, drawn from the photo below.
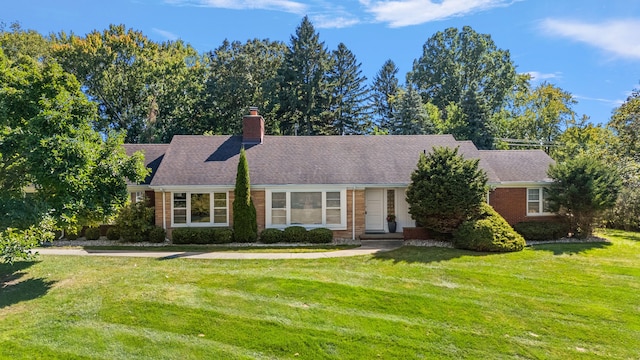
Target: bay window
(200, 209)
(309, 208)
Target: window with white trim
(200, 209)
(309, 208)
(537, 202)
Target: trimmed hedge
(295, 234)
(72, 234)
(92, 233)
(271, 236)
(202, 236)
(157, 235)
(541, 230)
(113, 233)
(488, 232)
(320, 236)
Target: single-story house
(348, 184)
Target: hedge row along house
(348, 184)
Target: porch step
(382, 236)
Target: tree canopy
(52, 163)
(465, 68)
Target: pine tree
(410, 116)
(245, 223)
(304, 89)
(384, 93)
(349, 110)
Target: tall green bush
(245, 223)
(445, 190)
(488, 231)
(583, 188)
(134, 222)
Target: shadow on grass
(420, 254)
(571, 248)
(14, 288)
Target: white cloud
(165, 34)
(607, 101)
(400, 13)
(618, 37)
(278, 5)
(538, 76)
(333, 22)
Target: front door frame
(373, 221)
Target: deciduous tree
(465, 68)
(47, 147)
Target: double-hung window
(200, 209)
(309, 208)
(537, 203)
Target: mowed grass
(560, 301)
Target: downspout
(353, 213)
(164, 213)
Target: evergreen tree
(245, 223)
(384, 94)
(411, 116)
(583, 188)
(349, 108)
(446, 189)
(304, 88)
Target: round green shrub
(71, 234)
(113, 233)
(92, 233)
(295, 234)
(271, 236)
(157, 235)
(488, 232)
(320, 236)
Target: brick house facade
(348, 184)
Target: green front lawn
(561, 301)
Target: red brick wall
(511, 203)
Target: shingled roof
(518, 165)
(153, 154)
(388, 160)
(282, 160)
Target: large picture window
(306, 208)
(537, 203)
(200, 209)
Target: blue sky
(590, 48)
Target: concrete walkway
(367, 248)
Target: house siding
(511, 203)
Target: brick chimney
(252, 127)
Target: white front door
(374, 209)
